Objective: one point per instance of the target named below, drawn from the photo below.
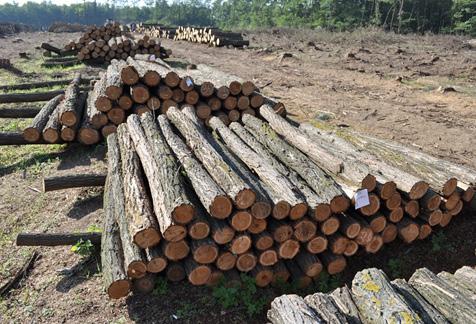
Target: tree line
(403, 16)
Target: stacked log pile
(373, 298)
(251, 199)
(109, 42)
(211, 36)
(138, 86)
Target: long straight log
(324, 305)
(114, 85)
(229, 181)
(280, 186)
(19, 112)
(292, 309)
(93, 119)
(133, 257)
(51, 130)
(210, 194)
(69, 107)
(33, 132)
(17, 139)
(45, 239)
(115, 279)
(171, 204)
(29, 97)
(73, 181)
(143, 224)
(68, 133)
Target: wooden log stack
(110, 42)
(249, 200)
(157, 30)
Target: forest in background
(402, 16)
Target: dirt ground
(387, 85)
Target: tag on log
(189, 82)
(361, 198)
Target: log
(292, 309)
(114, 189)
(377, 222)
(175, 251)
(351, 248)
(225, 261)
(144, 285)
(19, 275)
(68, 133)
(463, 286)
(98, 96)
(349, 226)
(389, 233)
(216, 277)
(171, 204)
(156, 260)
(424, 309)
(330, 225)
(221, 232)
(45, 239)
(17, 139)
(113, 83)
(444, 297)
(317, 244)
(318, 180)
(263, 275)
(175, 272)
(408, 230)
(241, 220)
(19, 112)
(115, 279)
(342, 298)
(33, 132)
(337, 243)
(258, 225)
(378, 301)
(466, 274)
(199, 227)
(43, 84)
(268, 257)
(278, 184)
(288, 249)
(226, 178)
(73, 181)
(333, 263)
(204, 251)
(143, 225)
(30, 97)
(51, 48)
(246, 262)
(304, 229)
(298, 278)
(93, 120)
(51, 130)
(309, 264)
(324, 305)
(210, 194)
(281, 273)
(374, 245)
(240, 244)
(262, 241)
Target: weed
(83, 248)
(240, 295)
(93, 228)
(395, 266)
(186, 311)
(161, 287)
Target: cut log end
(147, 238)
(394, 201)
(281, 210)
(336, 265)
(261, 209)
(369, 183)
(240, 244)
(298, 211)
(175, 233)
(387, 189)
(330, 225)
(246, 262)
(418, 190)
(136, 269)
(51, 135)
(221, 207)
(322, 212)
(449, 187)
(226, 261)
(241, 220)
(119, 289)
(205, 254)
(268, 258)
(200, 275)
(395, 215)
(175, 251)
(157, 265)
(365, 236)
(351, 248)
(88, 136)
(408, 231)
(304, 230)
(372, 207)
(390, 232)
(69, 118)
(263, 277)
(68, 134)
(339, 204)
(288, 249)
(317, 244)
(352, 230)
(183, 214)
(31, 134)
(258, 225)
(425, 231)
(245, 199)
(378, 223)
(224, 235)
(199, 230)
(450, 203)
(412, 208)
(375, 245)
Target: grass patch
(14, 125)
(32, 157)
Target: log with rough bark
(378, 301)
(73, 181)
(280, 186)
(197, 274)
(224, 176)
(156, 260)
(424, 309)
(17, 139)
(33, 132)
(443, 296)
(51, 130)
(143, 224)
(292, 309)
(342, 298)
(114, 85)
(29, 97)
(133, 256)
(98, 96)
(325, 188)
(463, 286)
(93, 120)
(210, 194)
(112, 259)
(171, 204)
(43, 84)
(324, 305)
(44, 239)
(69, 109)
(68, 133)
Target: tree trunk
(443, 296)
(309, 264)
(93, 120)
(145, 284)
(342, 298)
(463, 286)
(19, 112)
(30, 97)
(292, 309)
(98, 96)
(378, 301)
(114, 189)
(143, 224)
(70, 111)
(44, 239)
(114, 85)
(197, 274)
(175, 272)
(43, 84)
(333, 263)
(298, 278)
(51, 130)
(210, 194)
(324, 305)
(33, 132)
(317, 244)
(225, 261)
(240, 244)
(17, 139)
(171, 205)
(112, 259)
(268, 257)
(224, 176)
(73, 181)
(156, 260)
(221, 232)
(204, 251)
(68, 133)
(175, 251)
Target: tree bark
(324, 305)
(342, 298)
(98, 95)
(73, 181)
(292, 309)
(143, 224)
(51, 130)
(70, 111)
(224, 176)
(44, 239)
(443, 296)
(114, 84)
(378, 301)
(30, 97)
(210, 194)
(19, 112)
(171, 205)
(33, 132)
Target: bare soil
(383, 84)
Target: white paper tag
(189, 82)
(361, 198)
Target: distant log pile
(211, 36)
(109, 42)
(373, 298)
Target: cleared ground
(383, 84)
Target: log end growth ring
(183, 214)
(119, 289)
(245, 199)
(221, 207)
(147, 238)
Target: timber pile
(211, 36)
(109, 42)
(251, 199)
(138, 86)
(373, 298)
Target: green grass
(13, 125)
(31, 157)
